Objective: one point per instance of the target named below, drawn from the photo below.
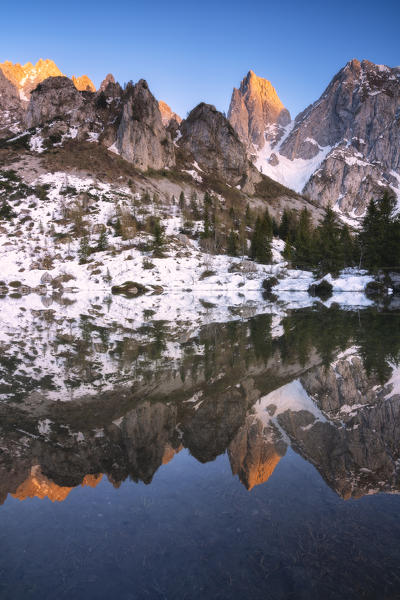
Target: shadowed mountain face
(330, 392)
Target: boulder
(130, 289)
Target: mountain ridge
(342, 149)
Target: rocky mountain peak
(209, 138)
(142, 138)
(344, 148)
(26, 77)
(83, 83)
(54, 97)
(109, 78)
(167, 114)
(254, 108)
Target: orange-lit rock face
(260, 471)
(27, 77)
(167, 114)
(254, 107)
(254, 454)
(83, 83)
(169, 453)
(38, 485)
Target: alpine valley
(81, 167)
(199, 340)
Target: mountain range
(341, 150)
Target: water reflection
(81, 400)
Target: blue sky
(193, 52)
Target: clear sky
(192, 52)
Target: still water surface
(251, 459)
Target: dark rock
(323, 289)
(374, 289)
(209, 138)
(130, 289)
(269, 283)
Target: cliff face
(142, 138)
(210, 139)
(55, 97)
(167, 115)
(10, 105)
(254, 108)
(344, 148)
(255, 452)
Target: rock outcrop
(142, 138)
(210, 140)
(54, 97)
(256, 112)
(83, 83)
(109, 78)
(10, 104)
(167, 114)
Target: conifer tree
(102, 243)
(193, 206)
(118, 227)
(158, 240)
(288, 250)
(84, 250)
(303, 244)
(327, 243)
(380, 234)
(6, 212)
(232, 245)
(207, 230)
(260, 249)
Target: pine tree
(260, 249)
(284, 226)
(303, 244)
(102, 243)
(182, 201)
(348, 248)
(207, 216)
(380, 234)
(118, 228)
(288, 251)
(6, 212)
(158, 241)
(369, 237)
(328, 237)
(232, 245)
(193, 206)
(84, 250)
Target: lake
(253, 458)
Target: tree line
(331, 245)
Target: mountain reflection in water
(155, 460)
(324, 382)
